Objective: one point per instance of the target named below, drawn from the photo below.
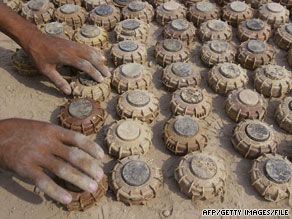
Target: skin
(29, 147)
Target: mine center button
(229, 70)
(203, 166)
(128, 131)
(219, 46)
(136, 6)
(130, 24)
(172, 45)
(255, 24)
(256, 46)
(278, 170)
(238, 6)
(103, 10)
(36, 5)
(181, 69)
(185, 126)
(68, 8)
(89, 31)
(191, 96)
(138, 98)
(132, 70)
(136, 173)
(80, 108)
(170, 6)
(275, 7)
(54, 28)
(216, 25)
(180, 24)
(128, 45)
(248, 97)
(204, 6)
(257, 131)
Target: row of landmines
(197, 173)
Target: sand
(37, 98)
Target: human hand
(29, 147)
(49, 52)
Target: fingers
(80, 159)
(58, 80)
(97, 59)
(65, 171)
(87, 67)
(48, 186)
(76, 139)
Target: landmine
(245, 104)
(274, 13)
(191, 101)
(156, 3)
(170, 11)
(215, 30)
(203, 11)
(170, 51)
(257, 3)
(15, 5)
(38, 11)
(283, 36)
(59, 3)
(106, 16)
(23, 64)
(61, 30)
(189, 3)
(131, 76)
(270, 174)
(139, 104)
(272, 80)
(74, 15)
(135, 181)
(121, 3)
(227, 77)
(180, 74)
(201, 176)
(89, 5)
(82, 200)
(128, 51)
(128, 137)
(254, 29)
(132, 29)
(217, 51)
(83, 115)
(92, 36)
(286, 3)
(236, 12)
(254, 53)
(180, 29)
(283, 114)
(223, 2)
(84, 86)
(252, 138)
(184, 134)
(139, 10)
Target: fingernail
(66, 91)
(99, 174)
(66, 199)
(93, 186)
(101, 154)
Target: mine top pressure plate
(136, 173)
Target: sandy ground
(36, 98)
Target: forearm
(14, 26)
